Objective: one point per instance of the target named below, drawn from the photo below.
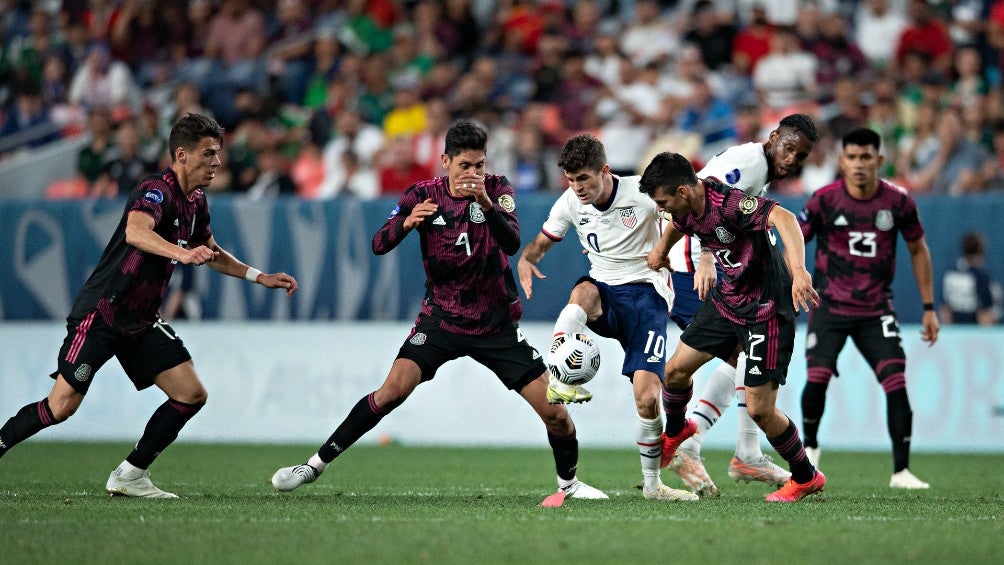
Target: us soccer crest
(477, 214)
(883, 220)
(628, 218)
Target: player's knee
(196, 396)
(558, 421)
(891, 375)
(676, 376)
(647, 403)
(63, 408)
(586, 296)
(820, 370)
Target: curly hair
(582, 152)
(801, 123)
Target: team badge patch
(477, 214)
(628, 218)
(723, 235)
(417, 339)
(154, 195)
(732, 177)
(883, 220)
(507, 203)
(82, 373)
(748, 205)
(394, 212)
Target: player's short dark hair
(463, 136)
(667, 171)
(801, 123)
(862, 137)
(972, 244)
(190, 129)
(583, 151)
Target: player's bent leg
(32, 418)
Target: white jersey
(740, 166)
(618, 238)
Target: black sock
(900, 420)
(813, 404)
(28, 421)
(161, 430)
(790, 448)
(674, 405)
(566, 454)
(361, 419)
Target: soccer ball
(574, 359)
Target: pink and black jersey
(128, 285)
(856, 245)
(757, 284)
(470, 287)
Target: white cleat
(813, 454)
(663, 492)
(761, 469)
(579, 489)
(905, 479)
(289, 478)
(690, 466)
(140, 486)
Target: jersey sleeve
(152, 197)
(909, 219)
(202, 230)
(393, 232)
(502, 221)
(739, 167)
(559, 219)
(747, 213)
(809, 217)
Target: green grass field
(444, 505)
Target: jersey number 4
(465, 241)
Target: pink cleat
(670, 444)
(793, 492)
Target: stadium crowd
(322, 98)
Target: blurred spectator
(92, 157)
(409, 115)
(427, 145)
(997, 164)
(324, 64)
(360, 138)
(546, 68)
(533, 166)
(603, 63)
(234, 44)
(290, 51)
(104, 83)
(587, 26)
(307, 170)
(878, 22)
(837, 55)
(28, 125)
(248, 139)
(577, 92)
(124, 165)
(458, 31)
(186, 100)
(925, 34)
(376, 97)
(99, 18)
(55, 83)
(919, 144)
(139, 39)
(958, 165)
(648, 38)
(397, 167)
(970, 87)
(27, 54)
(711, 35)
(969, 294)
(367, 28)
(626, 113)
(752, 42)
(709, 117)
(152, 145)
(786, 76)
(847, 111)
(409, 63)
(272, 179)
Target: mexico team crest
(477, 214)
(628, 218)
(723, 235)
(883, 220)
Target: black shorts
(507, 354)
(768, 345)
(876, 337)
(143, 356)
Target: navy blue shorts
(636, 315)
(686, 302)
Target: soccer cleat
(140, 486)
(579, 489)
(671, 444)
(663, 492)
(289, 478)
(906, 479)
(760, 469)
(560, 393)
(793, 492)
(813, 454)
(690, 467)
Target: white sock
(572, 319)
(316, 462)
(715, 399)
(747, 433)
(650, 447)
(130, 471)
(563, 484)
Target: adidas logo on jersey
(439, 221)
(755, 370)
(840, 221)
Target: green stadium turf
(399, 504)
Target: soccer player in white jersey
(749, 167)
(621, 298)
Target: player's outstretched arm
(920, 259)
(139, 233)
(526, 267)
(706, 276)
(803, 296)
(227, 264)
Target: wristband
(252, 275)
(928, 306)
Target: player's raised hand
(527, 271)
(419, 213)
(929, 333)
(803, 296)
(196, 256)
(279, 280)
(471, 185)
(657, 259)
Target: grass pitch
(401, 504)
